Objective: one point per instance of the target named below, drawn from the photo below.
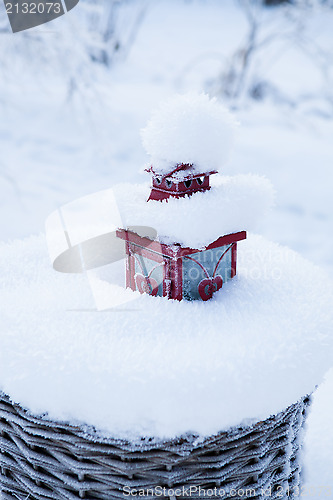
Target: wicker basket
(46, 460)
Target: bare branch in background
(272, 32)
(69, 57)
(101, 31)
(113, 26)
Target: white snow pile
(234, 203)
(190, 128)
(156, 367)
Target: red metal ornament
(174, 271)
(182, 181)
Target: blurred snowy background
(75, 93)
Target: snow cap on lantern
(189, 137)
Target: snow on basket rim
(191, 129)
(200, 371)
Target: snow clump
(191, 129)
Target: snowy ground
(55, 148)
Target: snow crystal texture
(156, 367)
(192, 129)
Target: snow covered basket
(48, 460)
(130, 410)
(202, 396)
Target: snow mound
(156, 367)
(191, 129)
(234, 203)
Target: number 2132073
(33, 8)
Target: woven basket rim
(56, 460)
(186, 442)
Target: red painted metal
(208, 286)
(176, 275)
(227, 239)
(234, 260)
(157, 194)
(179, 167)
(171, 258)
(169, 250)
(166, 279)
(177, 186)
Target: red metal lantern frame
(182, 181)
(170, 258)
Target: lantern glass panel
(146, 268)
(205, 265)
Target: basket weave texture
(42, 460)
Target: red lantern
(174, 271)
